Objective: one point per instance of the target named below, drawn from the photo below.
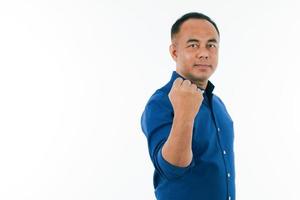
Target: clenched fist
(185, 98)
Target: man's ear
(173, 51)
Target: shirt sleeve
(156, 123)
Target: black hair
(192, 15)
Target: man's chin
(197, 78)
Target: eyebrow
(213, 40)
(196, 40)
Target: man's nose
(202, 53)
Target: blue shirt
(211, 174)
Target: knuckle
(187, 81)
(179, 80)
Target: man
(189, 132)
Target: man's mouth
(202, 65)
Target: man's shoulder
(159, 97)
(219, 101)
(220, 104)
(217, 98)
(161, 94)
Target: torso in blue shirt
(211, 174)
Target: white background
(76, 75)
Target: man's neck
(200, 84)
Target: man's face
(195, 50)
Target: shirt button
(228, 175)
(219, 129)
(224, 152)
(229, 198)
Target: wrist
(183, 119)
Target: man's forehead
(186, 38)
(206, 39)
(198, 27)
(195, 23)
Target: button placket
(223, 150)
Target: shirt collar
(208, 90)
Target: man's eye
(194, 45)
(211, 45)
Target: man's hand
(185, 98)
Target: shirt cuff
(171, 171)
